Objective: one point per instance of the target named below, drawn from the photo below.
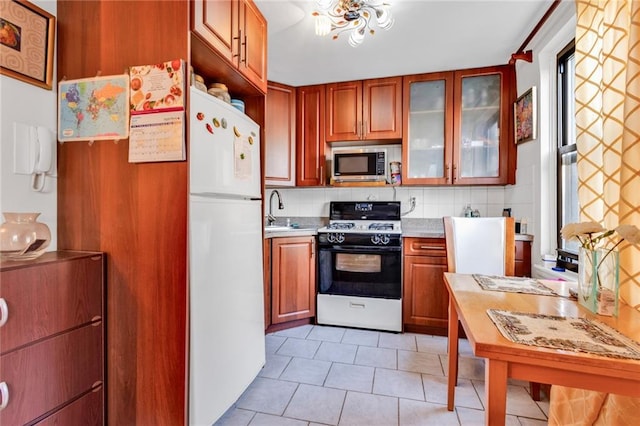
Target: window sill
(544, 271)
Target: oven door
(360, 271)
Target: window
(567, 173)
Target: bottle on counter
(467, 212)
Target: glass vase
(598, 284)
(22, 237)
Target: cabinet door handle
(245, 44)
(239, 38)
(430, 248)
(447, 172)
(4, 311)
(4, 395)
(455, 173)
(357, 305)
(364, 129)
(321, 177)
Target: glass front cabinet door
(460, 128)
(427, 150)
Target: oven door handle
(362, 249)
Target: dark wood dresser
(52, 340)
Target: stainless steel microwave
(359, 164)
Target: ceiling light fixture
(354, 16)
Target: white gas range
(360, 266)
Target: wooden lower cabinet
(523, 259)
(425, 299)
(293, 278)
(266, 257)
(52, 343)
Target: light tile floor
(319, 375)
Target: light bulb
(323, 25)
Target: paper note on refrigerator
(242, 158)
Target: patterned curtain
(608, 123)
(608, 141)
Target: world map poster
(92, 109)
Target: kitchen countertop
(416, 228)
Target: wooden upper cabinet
(217, 22)
(344, 111)
(483, 126)
(280, 135)
(238, 32)
(252, 57)
(364, 110)
(382, 108)
(458, 128)
(310, 140)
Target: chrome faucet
(270, 217)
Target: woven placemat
(513, 285)
(569, 334)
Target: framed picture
(524, 113)
(27, 37)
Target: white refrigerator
(226, 339)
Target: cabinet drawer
(86, 411)
(47, 374)
(425, 247)
(50, 298)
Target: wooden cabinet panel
(344, 111)
(280, 135)
(523, 259)
(45, 375)
(364, 110)
(425, 300)
(49, 299)
(217, 23)
(382, 108)
(237, 31)
(85, 411)
(310, 145)
(253, 44)
(293, 278)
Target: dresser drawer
(85, 411)
(49, 298)
(434, 247)
(44, 376)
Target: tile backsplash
(430, 202)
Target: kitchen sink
(278, 228)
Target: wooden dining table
(468, 304)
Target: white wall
(534, 194)
(25, 103)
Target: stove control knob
(384, 239)
(331, 237)
(375, 239)
(340, 238)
